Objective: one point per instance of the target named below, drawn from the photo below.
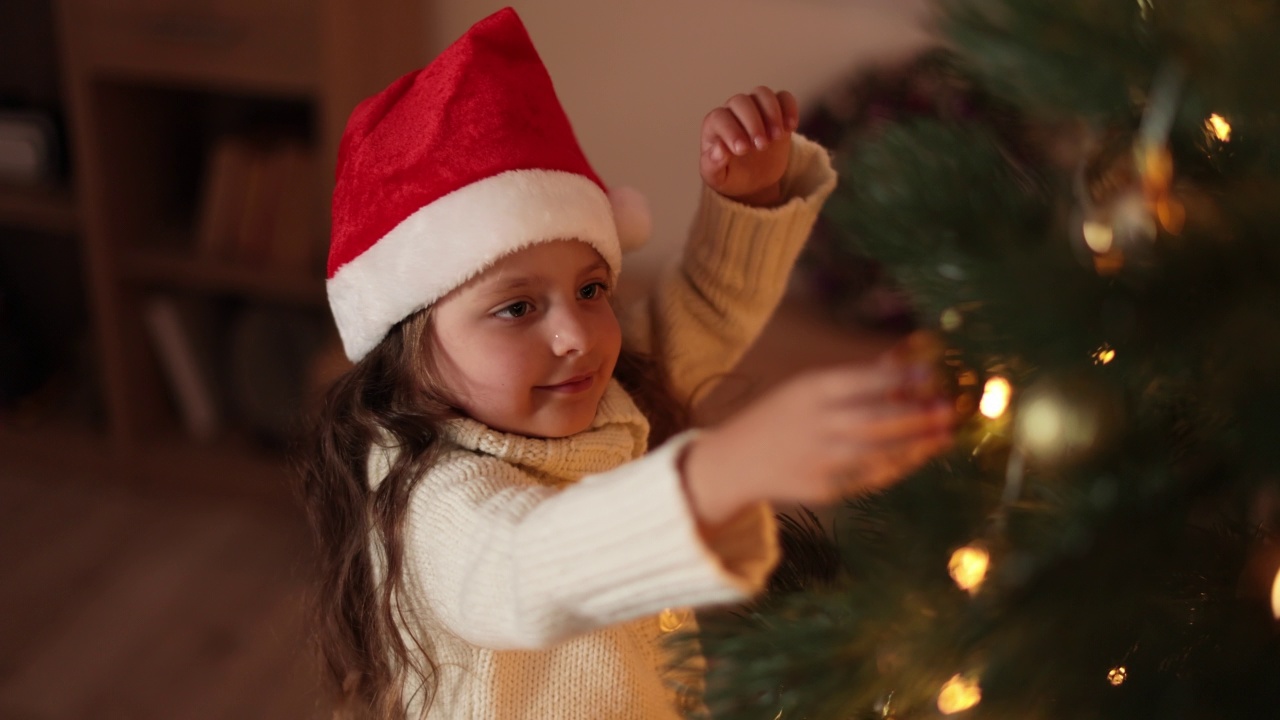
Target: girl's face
(529, 345)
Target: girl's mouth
(572, 385)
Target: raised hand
(746, 144)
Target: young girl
(499, 542)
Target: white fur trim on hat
(449, 241)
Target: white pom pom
(631, 217)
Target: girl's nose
(570, 334)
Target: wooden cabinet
(269, 44)
(150, 86)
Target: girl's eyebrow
(595, 267)
(499, 286)
(496, 287)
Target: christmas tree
(1099, 249)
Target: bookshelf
(150, 88)
(44, 209)
(177, 269)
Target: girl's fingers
(746, 111)
(790, 110)
(771, 111)
(721, 127)
(717, 152)
(891, 423)
(748, 122)
(878, 466)
(847, 384)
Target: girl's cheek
(610, 333)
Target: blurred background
(164, 173)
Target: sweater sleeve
(507, 563)
(708, 309)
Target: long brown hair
(389, 397)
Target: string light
(951, 320)
(1219, 126)
(958, 694)
(968, 567)
(1098, 236)
(995, 397)
(1104, 355)
(885, 707)
(1117, 675)
(1275, 596)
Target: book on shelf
(259, 205)
(182, 331)
(297, 243)
(223, 198)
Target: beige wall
(637, 76)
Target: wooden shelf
(181, 270)
(148, 88)
(43, 209)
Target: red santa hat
(452, 167)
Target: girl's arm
(507, 563)
(763, 190)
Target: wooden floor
(118, 605)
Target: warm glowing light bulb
(1104, 355)
(1043, 423)
(1275, 596)
(968, 567)
(951, 320)
(1118, 675)
(958, 694)
(1098, 237)
(1219, 126)
(995, 397)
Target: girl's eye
(514, 310)
(591, 291)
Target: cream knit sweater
(543, 574)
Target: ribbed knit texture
(708, 311)
(537, 567)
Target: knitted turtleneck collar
(619, 433)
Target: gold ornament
(1117, 675)
(1063, 419)
(950, 320)
(1124, 186)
